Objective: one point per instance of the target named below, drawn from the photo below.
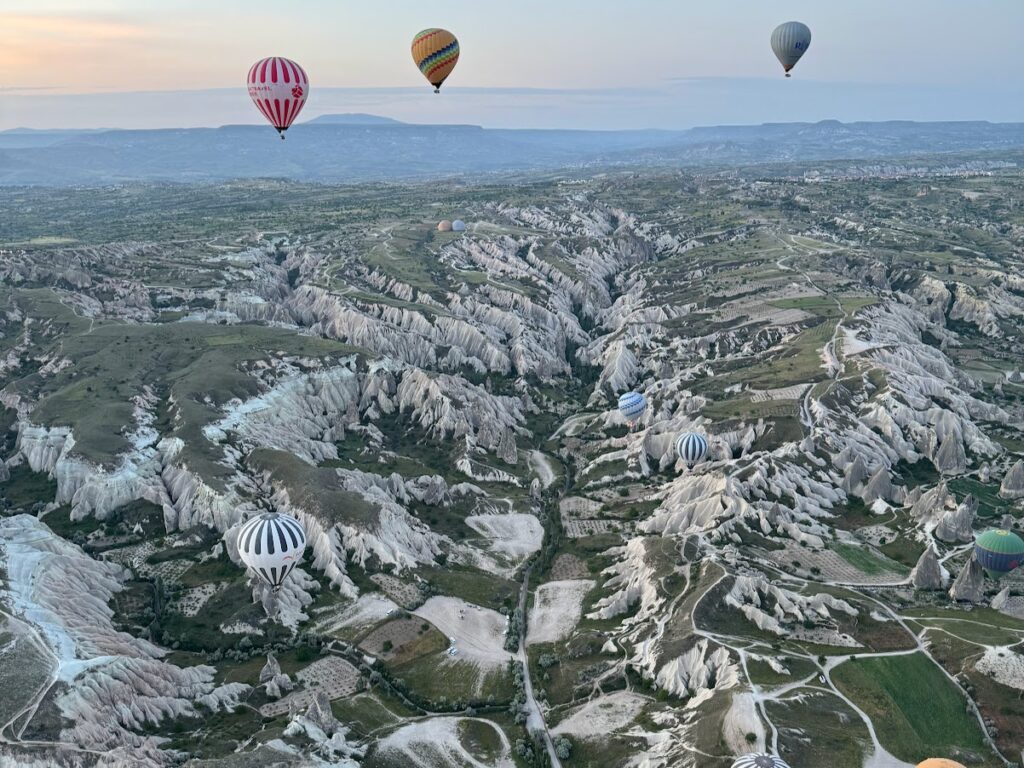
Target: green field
(916, 710)
(865, 561)
(840, 739)
(196, 365)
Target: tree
(563, 748)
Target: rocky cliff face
(772, 608)
(1012, 486)
(969, 585)
(958, 525)
(928, 573)
(96, 669)
(697, 675)
(398, 393)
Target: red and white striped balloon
(278, 87)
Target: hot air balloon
(999, 551)
(279, 88)
(271, 545)
(691, 448)
(939, 762)
(444, 226)
(436, 52)
(790, 41)
(458, 226)
(632, 405)
(760, 760)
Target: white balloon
(271, 545)
(790, 41)
(691, 448)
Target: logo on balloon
(297, 91)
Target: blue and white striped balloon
(271, 545)
(760, 760)
(692, 448)
(632, 405)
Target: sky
(528, 63)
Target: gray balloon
(790, 41)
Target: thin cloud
(30, 88)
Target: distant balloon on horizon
(279, 88)
(790, 42)
(436, 52)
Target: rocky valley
(500, 570)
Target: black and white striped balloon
(691, 448)
(760, 760)
(271, 545)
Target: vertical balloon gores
(271, 545)
(436, 52)
(279, 89)
(790, 42)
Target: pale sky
(922, 59)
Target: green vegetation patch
(916, 710)
(987, 494)
(997, 702)
(364, 713)
(24, 489)
(473, 586)
(838, 736)
(481, 739)
(865, 561)
(761, 673)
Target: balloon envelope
(691, 448)
(790, 41)
(458, 226)
(939, 762)
(279, 88)
(999, 551)
(444, 226)
(632, 405)
(436, 52)
(271, 545)
(759, 760)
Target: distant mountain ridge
(361, 147)
(353, 118)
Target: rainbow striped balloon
(436, 52)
